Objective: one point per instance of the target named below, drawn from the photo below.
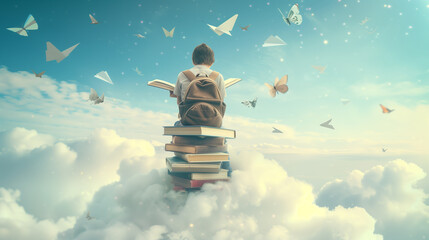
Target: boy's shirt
(183, 82)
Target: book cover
(203, 157)
(176, 164)
(199, 131)
(191, 140)
(222, 174)
(170, 86)
(195, 148)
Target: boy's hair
(203, 54)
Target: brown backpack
(202, 104)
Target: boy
(203, 59)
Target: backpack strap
(213, 75)
(189, 75)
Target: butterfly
(30, 24)
(245, 28)
(279, 86)
(250, 103)
(293, 15)
(385, 109)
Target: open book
(170, 87)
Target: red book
(188, 183)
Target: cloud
(260, 202)
(387, 193)
(59, 109)
(58, 179)
(17, 224)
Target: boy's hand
(172, 94)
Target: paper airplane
(345, 101)
(225, 27)
(39, 74)
(93, 21)
(245, 28)
(250, 103)
(138, 71)
(293, 16)
(385, 109)
(168, 33)
(52, 53)
(279, 86)
(104, 76)
(30, 24)
(364, 21)
(321, 69)
(275, 130)
(140, 36)
(93, 96)
(273, 41)
(327, 124)
(88, 216)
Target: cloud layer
(260, 202)
(389, 194)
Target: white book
(170, 86)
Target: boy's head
(203, 54)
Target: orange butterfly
(279, 86)
(386, 110)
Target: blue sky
(383, 61)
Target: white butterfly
(94, 97)
(168, 33)
(30, 24)
(293, 15)
(279, 86)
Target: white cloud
(387, 193)
(57, 179)
(17, 224)
(59, 109)
(260, 202)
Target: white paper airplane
(275, 130)
(250, 103)
(345, 101)
(225, 27)
(321, 69)
(93, 21)
(30, 24)
(138, 71)
(327, 124)
(39, 74)
(168, 33)
(293, 16)
(273, 41)
(52, 53)
(104, 76)
(139, 35)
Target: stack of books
(200, 155)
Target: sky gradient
(375, 52)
